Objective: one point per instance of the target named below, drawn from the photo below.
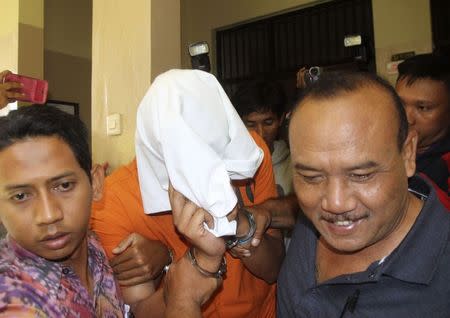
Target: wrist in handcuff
(221, 271)
(243, 239)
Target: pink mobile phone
(35, 90)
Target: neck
(79, 263)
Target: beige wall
(31, 38)
(166, 37)
(67, 54)
(22, 37)
(9, 35)
(120, 73)
(399, 25)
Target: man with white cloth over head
(189, 135)
(188, 132)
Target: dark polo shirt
(413, 281)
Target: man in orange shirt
(189, 135)
(120, 213)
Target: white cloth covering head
(188, 132)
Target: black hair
(259, 96)
(42, 121)
(332, 84)
(425, 66)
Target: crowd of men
(193, 227)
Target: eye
(311, 179)
(361, 177)
(20, 197)
(65, 186)
(268, 122)
(249, 124)
(424, 108)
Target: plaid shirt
(31, 286)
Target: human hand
(7, 93)
(138, 260)
(189, 219)
(186, 289)
(301, 78)
(262, 218)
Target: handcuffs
(220, 272)
(241, 240)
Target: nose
(410, 115)
(48, 210)
(338, 197)
(259, 129)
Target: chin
(60, 255)
(344, 246)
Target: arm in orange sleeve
(109, 220)
(112, 224)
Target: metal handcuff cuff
(241, 240)
(167, 266)
(220, 272)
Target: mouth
(344, 225)
(56, 241)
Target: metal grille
(276, 47)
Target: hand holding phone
(31, 89)
(8, 93)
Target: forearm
(153, 304)
(265, 260)
(176, 309)
(283, 210)
(134, 294)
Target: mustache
(346, 216)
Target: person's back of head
(260, 97)
(45, 121)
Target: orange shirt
(121, 213)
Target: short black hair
(332, 84)
(425, 66)
(46, 121)
(259, 96)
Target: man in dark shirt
(423, 85)
(366, 246)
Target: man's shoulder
(123, 175)
(260, 142)
(10, 264)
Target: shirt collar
(418, 256)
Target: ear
(98, 180)
(409, 152)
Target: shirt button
(65, 271)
